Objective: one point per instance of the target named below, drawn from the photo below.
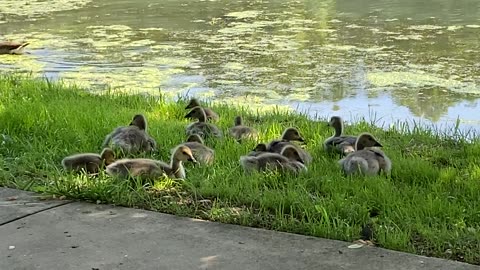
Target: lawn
(429, 205)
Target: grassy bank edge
(39, 170)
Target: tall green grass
(429, 205)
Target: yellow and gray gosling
(288, 161)
(12, 47)
(289, 135)
(150, 169)
(201, 152)
(339, 143)
(240, 131)
(261, 148)
(209, 113)
(133, 138)
(202, 128)
(88, 162)
(366, 160)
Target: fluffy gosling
(288, 161)
(289, 135)
(339, 143)
(209, 113)
(152, 169)
(240, 131)
(133, 138)
(202, 153)
(366, 160)
(88, 162)
(202, 128)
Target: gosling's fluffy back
(152, 169)
(88, 162)
(287, 161)
(138, 167)
(366, 162)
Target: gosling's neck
(238, 121)
(338, 129)
(359, 146)
(203, 115)
(177, 168)
(284, 136)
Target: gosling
(366, 160)
(133, 138)
(339, 143)
(289, 135)
(210, 114)
(239, 131)
(90, 163)
(150, 169)
(288, 161)
(202, 153)
(202, 128)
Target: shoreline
(429, 205)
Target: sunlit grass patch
(429, 205)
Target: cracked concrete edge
(16, 204)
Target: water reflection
(401, 60)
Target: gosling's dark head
(195, 113)
(140, 121)
(193, 103)
(292, 134)
(366, 140)
(261, 147)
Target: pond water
(387, 60)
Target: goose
(88, 162)
(288, 160)
(289, 134)
(152, 169)
(210, 114)
(201, 152)
(132, 138)
(339, 143)
(366, 160)
(239, 131)
(202, 128)
(12, 47)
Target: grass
(430, 204)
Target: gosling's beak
(187, 116)
(378, 144)
(302, 140)
(192, 159)
(186, 108)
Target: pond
(385, 60)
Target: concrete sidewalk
(74, 235)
